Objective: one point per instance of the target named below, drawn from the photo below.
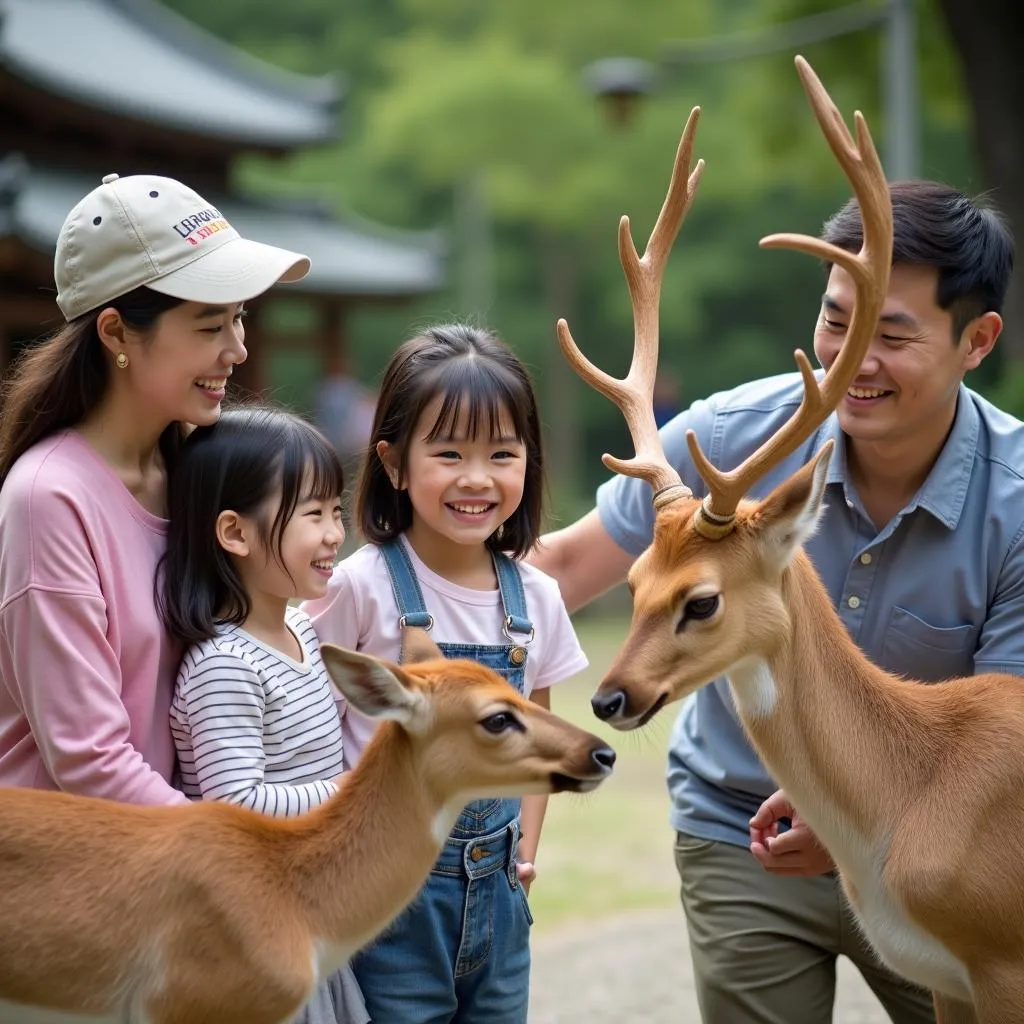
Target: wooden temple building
(93, 86)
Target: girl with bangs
(450, 500)
(255, 524)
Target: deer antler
(634, 395)
(870, 271)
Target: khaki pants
(764, 948)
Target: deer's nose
(608, 705)
(604, 758)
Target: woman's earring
(121, 360)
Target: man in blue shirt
(921, 547)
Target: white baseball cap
(153, 231)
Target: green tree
(476, 117)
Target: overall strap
(412, 609)
(513, 599)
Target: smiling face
(909, 379)
(462, 483)
(179, 370)
(300, 565)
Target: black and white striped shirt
(256, 727)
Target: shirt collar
(945, 488)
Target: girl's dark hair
(469, 367)
(239, 463)
(934, 225)
(59, 381)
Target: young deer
(210, 914)
(913, 789)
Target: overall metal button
(517, 655)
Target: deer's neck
(367, 852)
(845, 739)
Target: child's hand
(526, 873)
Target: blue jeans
(460, 953)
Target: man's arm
(583, 559)
(595, 553)
(1001, 644)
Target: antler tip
(803, 364)
(865, 143)
(807, 74)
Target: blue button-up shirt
(938, 592)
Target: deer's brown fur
(211, 914)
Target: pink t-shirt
(359, 612)
(86, 668)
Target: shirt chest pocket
(914, 648)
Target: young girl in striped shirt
(255, 521)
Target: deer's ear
(789, 515)
(417, 646)
(371, 686)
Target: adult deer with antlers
(903, 783)
(211, 914)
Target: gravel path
(635, 969)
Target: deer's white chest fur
(444, 820)
(328, 957)
(754, 688)
(899, 941)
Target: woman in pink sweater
(151, 280)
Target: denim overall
(461, 951)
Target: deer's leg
(949, 1011)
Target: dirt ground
(635, 969)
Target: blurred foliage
(443, 94)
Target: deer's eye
(698, 609)
(501, 722)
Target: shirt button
(849, 503)
(476, 853)
(865, 559)
(854, 602)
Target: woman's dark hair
(476, 373)
(937, 226)
(249, 456)
(59, 381)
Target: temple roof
(140, 60)
(350, 257)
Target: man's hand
(796, 852)
(526, 873)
